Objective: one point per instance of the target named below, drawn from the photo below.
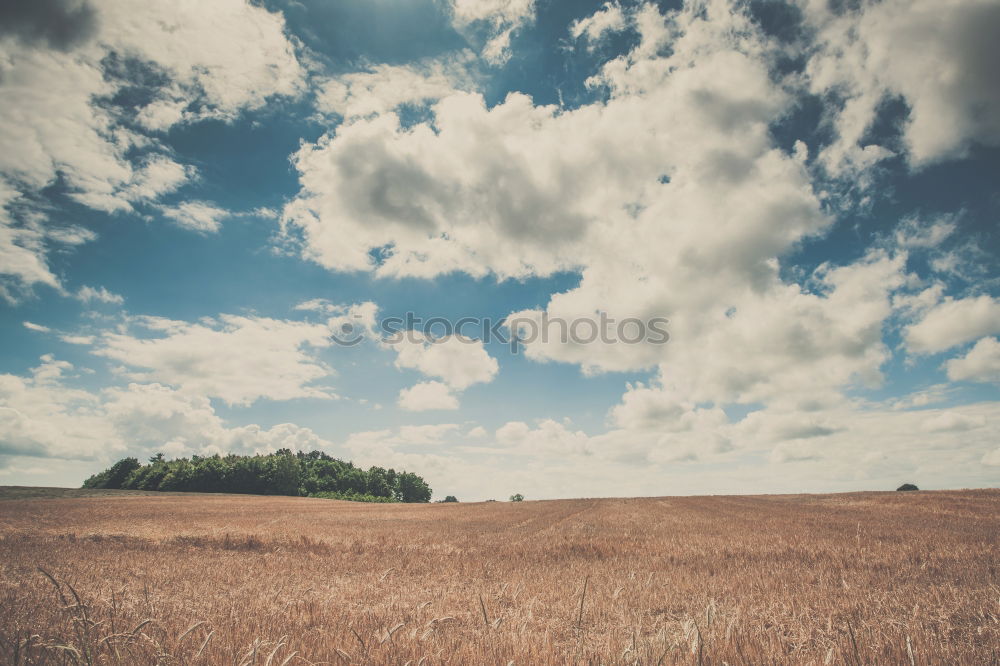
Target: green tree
(413, 489)
(147, 477)
(282, 473)
(378, 482)
(517, 497)
(115, 476)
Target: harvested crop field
(859, 578)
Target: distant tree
(378, 482)
(907, 486)
(147, 477)
(284, 472)
(115, 476)
(517, 497)
(450, 498)
(412, 488)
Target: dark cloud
(59, 24)
(978, 52)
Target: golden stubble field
(866, 578)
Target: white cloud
(915, 233)
(670, 199)
(196, 215)
(837, 446)
(521, 190)
(427, 396)
(385, 87)
(981, 364)
(41, 416)
(234, 54)
(25, 237)
(608, 19)
(70, 235)
(77, 339)
(549, 438)
(349, 322)
(432, 434)
(493, 22)
(157, 417)
(922, 398)
(31, 326)
(99, 294)
(361, 316)
(216, 60)
(496, 11)
(953, 422)
(876, 452)
(316, 305)
(936, 56)
(953, 322)
(234, 358)
(458, 361)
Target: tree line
(313, 474)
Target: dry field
(867, 578)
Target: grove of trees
(313, 474)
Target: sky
(214, 217)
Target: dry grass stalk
(145, 579)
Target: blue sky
(197, 197)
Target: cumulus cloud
(520, 190)
(158, 417)
(670, 199)
(953, 422)
(840, 443)
(237, 359)
(40, 416)
(43, 416)
(65, 59)
(458, 361)
(937, 57)
(548, 438)
(228, 56)
(981, 364)
(953, 322)
(427, 396)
